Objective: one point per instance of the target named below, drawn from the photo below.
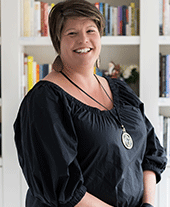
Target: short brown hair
(72, 8)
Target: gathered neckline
(88, 107)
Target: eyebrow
(75, 28)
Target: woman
(84, 140)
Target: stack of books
(34, 18)
(164, 129)
(32, 72)
(164, 76)
(121, 20)
(164, 17)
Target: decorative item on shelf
(113, 70)
(130, 75)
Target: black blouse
(66, 148)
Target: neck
(80, 75)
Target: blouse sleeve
(47, 148)
(155, 157)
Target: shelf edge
(105, 40)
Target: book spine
(22, 75)
(124, 21)
(121, 23)
(160, 75)
(165, 128)
(97, 5)
(101, 7)
(37, 19)
(111, 20)
(168, 77)
(168, 139)
(41, 71)
(45, 70)
(118, 21)
(30, 72)
(105, 14)
(26, 12)
(160, 17)
(165, 17)
(34, 72)
(37, 73)
(161, 123)
(42, 19)
(130, 20)
(45, 19)
(114, 20)
(138, 21)
(163, 76)
(25, 73)
(32, 17)
(133, 19)
(21, 18)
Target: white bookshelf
(142, 50)
(105, 40)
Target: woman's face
(80, 42)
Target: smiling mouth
(82, 51)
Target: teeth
(83, 50)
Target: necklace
(126, 138)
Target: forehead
(75, 22)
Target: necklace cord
(119, 119)
(84, 91)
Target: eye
(72, 33)
(90, 31)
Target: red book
(44, 19)
(97, 5)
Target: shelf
(120, 40)
(164, 40)
(164, 102)
(106, 40)
(35, 41)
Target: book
(167, 77)
(44, 19)
(118, 20)
(163, 77)
(132, 19)
(97, 5)
(166, 17)
(160, 17)
(124, 19)
(114, 21)
(101, 7)
(106, 16)
(37, 73)
(21, 18)
(45, 70)
(31, 18)
(37, 18)
(26, 18)
(160, 129)
(111, 20)
(30, 72)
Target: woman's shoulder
(124, 92)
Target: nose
(83, 38)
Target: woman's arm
(91, 201)
(149, 180)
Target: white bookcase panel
(0, 185)
(143, 50)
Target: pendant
(126, 139)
